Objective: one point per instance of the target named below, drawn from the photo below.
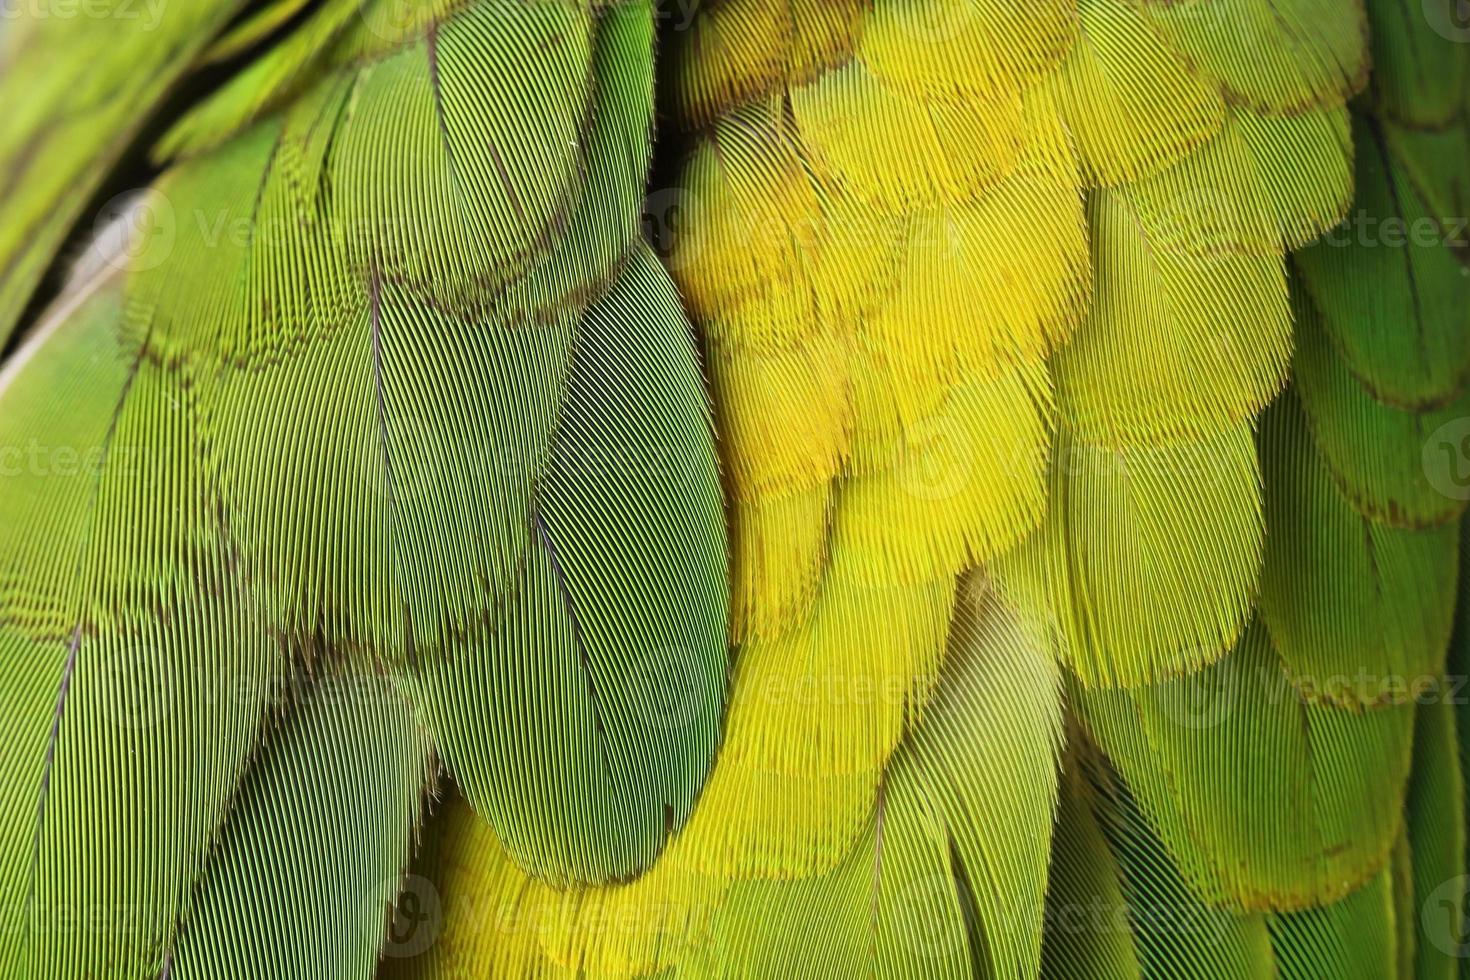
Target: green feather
(1435, 828)
(1360, 611)
(1419, 58)
(630, 714)
(414, 412)
(305, 873)
(80, 82)
(1119, 906)
(1265, 800)
(1393, 294)
(1353, 939)
(1375, 452)
(138, 674)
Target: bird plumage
(1012, 526)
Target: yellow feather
(778, 546)
(966, 51)
(1132, 103)
(897, 151)
(932, 494)
(1190, 330)
(1147, 564)
(1304, 163)
(1278, 56)
(783, 415)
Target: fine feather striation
(1357, 589)
(1435, 832)
(399, 430)
(81, 84)
(475, 353)
(138, 678)
(979, 285)
(1361, 610)
(1119, 907)
(1207, 756)
(1008, 287)
(306, 874)
(927, 888)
